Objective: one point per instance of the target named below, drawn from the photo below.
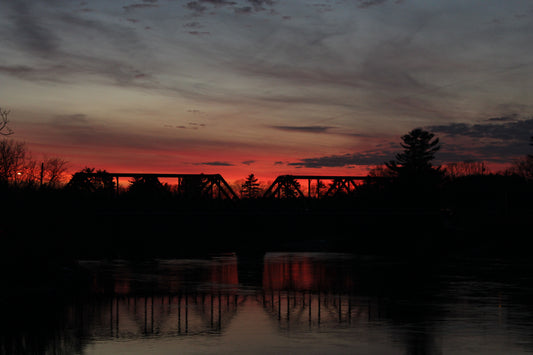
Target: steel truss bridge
(193, 185)
(284, 186)
(291, 185)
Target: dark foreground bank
(89, 233)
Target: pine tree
(250, 188)
(420, 147)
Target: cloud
(193, 24)
(305, 129)
(363, 4)
(217, 163)
(345, 160)
(248, 162)
(511, 128)
(200, 6)
(199, 33)
(508, 118)
(139, 6)
(31, 31)
(500, 140)
(196, 6)
(76, 118)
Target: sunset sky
(265, 86)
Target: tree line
(412, 174)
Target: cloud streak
(304, 129)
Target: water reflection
(279, 302)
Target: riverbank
(88, 232)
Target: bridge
(190, 185)
(214, 185)
(287, 186)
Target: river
(278, 302)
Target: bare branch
(4, 129)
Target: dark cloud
(199, 33)
(345, 160)
(218, 2)
(243, 10)
(30, 30)
(193, 25)
(217, 163)
(25, 72)
(363, 4)
(259, 5)
(306, 129)
(508, 118)
(200, 6)
(501, 140)
(196, 6)
(139, 6)
(36, 36)
(511, 128)
(248, 162)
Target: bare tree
(13, 160)
(523, 166)
(465, 168)
(4, 129)
(53, 171)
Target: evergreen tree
(250, 188)
(420, 147)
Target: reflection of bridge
(310, 309)
(186, 313)
(299, 291)
(196, 314)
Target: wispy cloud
(217, 163)
(139, 6)
(304, 129)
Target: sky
(268, 87)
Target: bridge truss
(290, 186)
(188, 185)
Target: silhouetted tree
(290, 188)
(53, 171)
(523, 167)
(4, 129)
(414, 162)
(465, 168)
(99, 181)
(250, 188)
(147, 186)
(192, 187)
(13, 160)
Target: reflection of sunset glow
(122, 287)
(301, 273)
(225, 272)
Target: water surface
(308, 303)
